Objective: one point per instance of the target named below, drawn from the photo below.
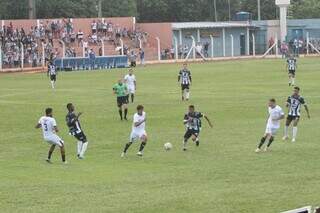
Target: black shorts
(191, 132)
(53, 77)
(185, 86)
(81, 137)
(291, 118)
(133, 64)
(292, 72)
(122, 100)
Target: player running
(192, 120)
(121, 90)
(50, 129)
(294, 103)
(130, 80)
(292, 67)
(138, 131)
(184, 78)
(276, 114)
(73, 123)
(52, 73)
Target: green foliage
(157, 10)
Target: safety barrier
(85, 63)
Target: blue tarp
(99, 62)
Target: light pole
(229, 10)
(99, 8)
(259, 10)
(32, 9)
(215, 10)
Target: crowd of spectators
(25, 44)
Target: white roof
(199, 25)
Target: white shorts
(272, 130)
(131, 89)
(137, 135)
(54, 140)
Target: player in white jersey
(138, 131)
(52, 73)
(49, 129)
(294, 103)
(130, 80)
(292, 67)
(273, 124)
(184, 78)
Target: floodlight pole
(211, 38)
(159, 48)
(43, 55)
(308, 41)
(102, 46)
(122, 46)
(224, 41)
(232, 48)
(0, 57)
(193, 47)
(253, 45)
(176, 48)
(22, 55)
(140, 43)
(259, 10)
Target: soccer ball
(167, 146)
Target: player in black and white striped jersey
(294, 103)
(184, 78)
(52, 73)
(292, 67)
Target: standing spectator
(94, 27)
(172, 51)
(206, 49)
(80, 35)
(141, 53)
(133, 59)
(92, 57)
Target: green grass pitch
(222, 175)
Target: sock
(132, 98)
(270, 141)
(63, 157)
(52, 84)
(185, 143)
(286, 131)
(293, 81)
(197, 142)
(187, 95)
(120, 113)
(125, 113)
(143, 144)
(263, 139)
(127, 147)
(294, 132)
(79, 146)
(49, 154)
(84, 148)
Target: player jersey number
(45, 127)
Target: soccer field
(223, 175)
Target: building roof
(202, 25)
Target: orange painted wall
(79, 23)
(161, 30)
